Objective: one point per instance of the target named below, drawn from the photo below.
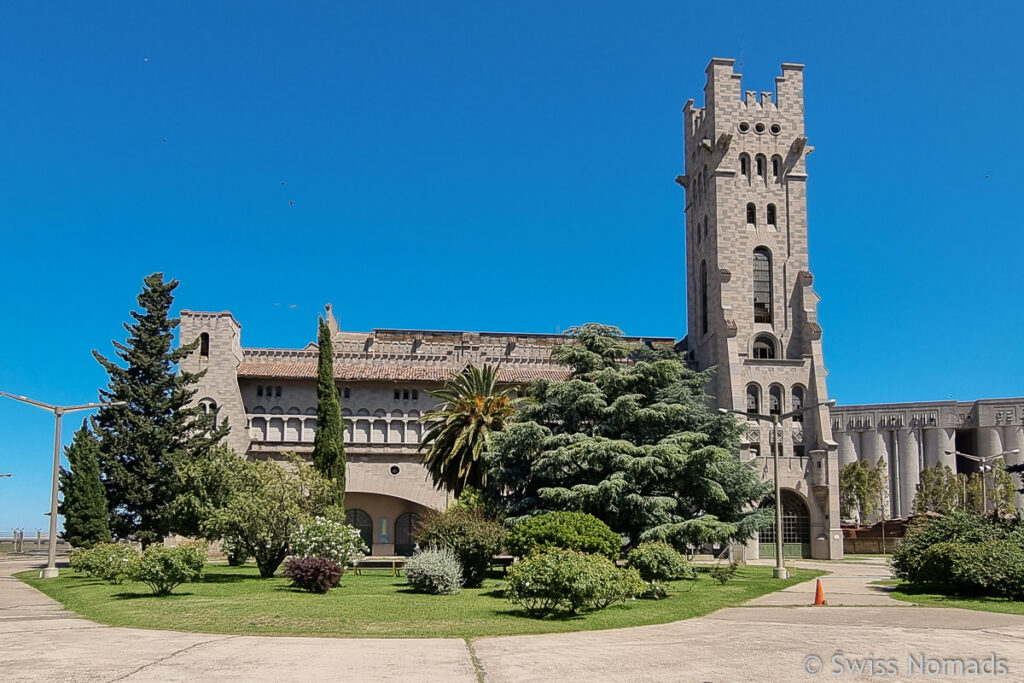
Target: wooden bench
(503, 561)
(394, 564)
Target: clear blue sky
(488, 166)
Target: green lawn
(933, 596)
(234, 600)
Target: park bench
(393, 564)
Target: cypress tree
(143, 443)
(329, 442)
(83, 504)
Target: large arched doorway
(405, 525)
(796, 528)
(361, 521)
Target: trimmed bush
(988, 568)
(313, 574)
(111, 562)
(569, 581)
(435, 570)
(657, 561)
(330, 539)
(469, 534)
(567, 530)
(163, 569)
(956, 527)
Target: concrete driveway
(773, 638)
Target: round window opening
(744, 127)
(394, 470)
(775, 129)
(759, 128)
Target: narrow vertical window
(347, 393)
(259, 390)
(775, 400)
(704, 297)
(278, 391)
(771, 215)
(760, 165)
(204, 345)
(415, 394)
(751, 214)
(798, 403)
(745, 167)
(753, 399)
(405, 394)
(762, 286)
(398, 394)
(776, 167)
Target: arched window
(776, 167)
(405, 533)
(204, 345)
(775, 400)
(771, 215)
(361, 521)
(704, 297)
(764, 347)
(761, 163)
(753, 399)
(762, 285)
(745, 166)
(798, 403)
(751, 214)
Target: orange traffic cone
(819, 595)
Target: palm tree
(472, 408)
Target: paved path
(767, 640)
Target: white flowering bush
(329, 539)
(435, 570)
(111, 562)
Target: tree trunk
(269, 560)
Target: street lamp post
(50, 572)
(780, 571)
(984, 468)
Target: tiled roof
(390, 373)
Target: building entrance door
(404, 527)
(796, 529)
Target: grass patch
(235, 600)
(934, 595)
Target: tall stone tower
(752, 313)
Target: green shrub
(474, 538)
(435, 570)
(330, 539)
(955, 527)
(162, 569)
(568, 580)
(657, 561)
(987, 568)
(111, 562)
(567, 530)
(723, 573)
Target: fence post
(39, 539)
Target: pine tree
(329, 442)
(142, 443)
(83, 503)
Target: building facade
(752, 312)
(912, 436)
(268, 397)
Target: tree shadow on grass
(557, 616)
(227, 578)
(137, 596)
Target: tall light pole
(984, 468)
(58, 412)
(780, 571)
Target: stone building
(268, 397)
(751, 313)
